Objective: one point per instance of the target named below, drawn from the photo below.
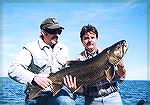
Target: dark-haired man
(102, 93)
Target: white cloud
(104, 13)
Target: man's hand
(121, 63)
(70, 82)
(42, 81)
(121, 69)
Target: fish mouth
(125, 47)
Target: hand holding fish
(121, 63)
(42, 81)
(121, 69)
(70, 82)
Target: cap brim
(55, 27)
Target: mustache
(89, 43)
(54, 37)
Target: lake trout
(87, 72)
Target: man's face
(89, 41)
(50, 39)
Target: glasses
(53, 31)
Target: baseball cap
(50, 23)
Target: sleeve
(78, 58)
(18, 71)
(81, 57)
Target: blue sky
(114, 21)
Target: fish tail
(33, 91)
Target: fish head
(117, 51)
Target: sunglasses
(53, 31)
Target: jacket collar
(42, 44)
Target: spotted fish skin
(89, 71)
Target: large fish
(89, 71)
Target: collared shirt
(38, 57)
(87, 55)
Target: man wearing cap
(40, 58)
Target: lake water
(132, 91)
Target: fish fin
(72, 62)
(56, 87)
(109, 74)
(33, 90)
